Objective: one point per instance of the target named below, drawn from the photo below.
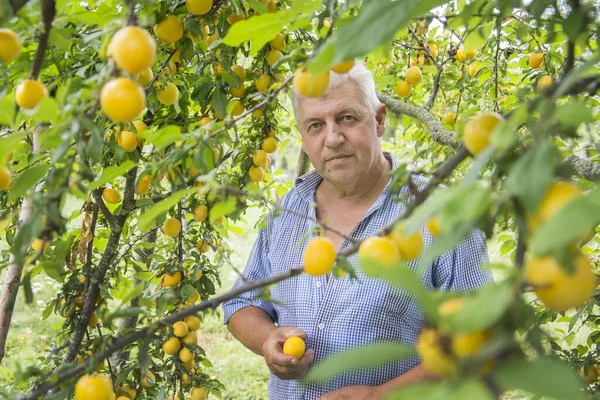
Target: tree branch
(119, 343)
(584, 168)
(48, 13)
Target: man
(341, 134)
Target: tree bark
(12, 279)
(303, 164)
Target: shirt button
(318, 284)
(321, 325)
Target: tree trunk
(131, 322)
(12, 279)
(303, 164)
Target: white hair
(358, 76)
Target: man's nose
(335, 136)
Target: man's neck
(373, 182)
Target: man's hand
(356, 392)
(280, 364)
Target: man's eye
(348, 118)
(315, 125)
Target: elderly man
(348, 191)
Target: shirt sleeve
(257, 268)
(461, 268)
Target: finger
(288, 332)
(277, 357)
(307, 358)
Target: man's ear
(380, 119)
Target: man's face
(341, 135)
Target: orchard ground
(243, 373)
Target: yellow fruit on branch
(202, 246)
(273, 56)
(127, 140)
(544, 82)
(185, 355)
(201, 213)
(168, 95)
(403, 89)
(171, 346)
(433, 49)
(257, 113)
(433, 355)
(239, 93)
(433, 226)
(145, 76)
(409, 246)
(262, 83)
(40, 245)
(377, 252)
(238, 108)
(148, 379)
(94, 320)
(94, 387)
(180, 329)
(311, 85)
(260, 158)
(143, 186)
(413, 75)
(195, 276)
(10, 45)
(131, 392)
(122, 99)
(473, 68)
(449, 117)
(199, 7)
(169, 30)
(319, 256)
(29, 93)
(111, 196)
(198, 394)
(558, 289)
(294, 346)
(466, 345)
(256, 173)
(460, 54)
(589, 374)
(269, 145)
(140, 126)
(278, 43)
(172, 227)
(133, 49)
(192, 322)
(558, 195)
(535, 60)
(171, 280)
(5, 178)
(240, 71)
(450, 307)
(478, 131)
(343, 67)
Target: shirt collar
(307, 184)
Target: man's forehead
(343, 98)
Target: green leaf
(163, 137)
(444, 390)
(7, 144)
(573, 113)
(45, 111)
(374, 355)
(482, 309)
(109, 174)
(146, 221)
(258, 6)
(569, 224)
(541, 376)
(121, 290)
(407, 280)
(27, 179)
(532, 173)
(223, 208)
(7, 110)
(263, 28)
(478, 37)
(219, 101)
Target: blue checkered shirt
(340, 313)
